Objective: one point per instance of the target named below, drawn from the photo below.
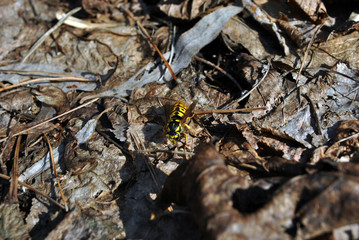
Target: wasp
(177, 119)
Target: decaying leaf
(52, 96)
(345, 147)
(266, 21)
(237, 34)
(305, 206)
(209, 198)
(313, 9)
(186, 9)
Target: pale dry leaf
(187, 46)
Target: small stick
(55, 173)
(221, 70)
(61, 79)
(36, 73)
(15, 172)
(3, 176)
(347, 138)
(151, 42)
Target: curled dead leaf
(52, 96)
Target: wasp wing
(167, 105)
(189, 112)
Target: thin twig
(172, 51)
(150, 40)
(347, 138)
(15, 172)
(51, 119)
(3, 176)
(55, 172)
(60, 79)
(51, 30)
(36, 73)
(201, 112)
(221, 70)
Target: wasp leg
(188, 118)
(185, 138)
(190, 129)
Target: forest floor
(267, 119)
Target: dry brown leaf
(345, 148)
(306, 206)
(93, 7)
(236, 34)
(52, 96)
(268, 142)
(20, 100)
(187, 9)
(314, 9)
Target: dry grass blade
(151, 42)
(55, 173)
(60, 79)
(78, 23)
(51, 119)
(347, 138)
(200, 112)
(3, 176)
(15, 172)
(51, 30)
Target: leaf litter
(95, 90)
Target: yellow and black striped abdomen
(174, 125)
